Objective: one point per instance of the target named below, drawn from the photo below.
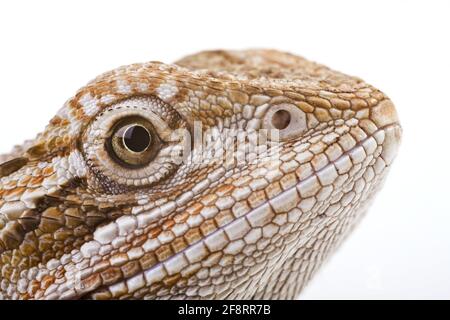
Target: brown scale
(60, 223)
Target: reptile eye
(288, 119)
(134, 142)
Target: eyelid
(111, 177)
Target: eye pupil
(136, 138)
(281, 119)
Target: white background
(402, 248)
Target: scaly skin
(76, 224)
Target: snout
(386, 118)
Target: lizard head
(227, 175)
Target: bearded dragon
(118, 198)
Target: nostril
(12, 166)
(281, 119)
(287, 120)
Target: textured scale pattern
(210, 229)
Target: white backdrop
(48, 49)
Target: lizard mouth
(381, 147)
